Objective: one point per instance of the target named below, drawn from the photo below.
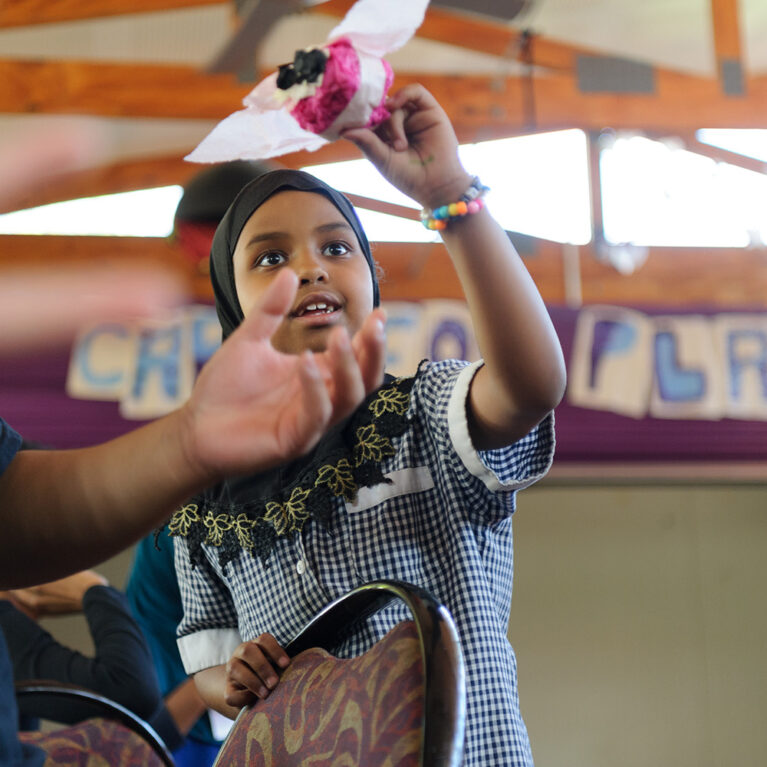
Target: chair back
(98, 723)
(402, 703)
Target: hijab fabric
(251, 197)
(252, 512)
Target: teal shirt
(155, 602)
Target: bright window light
(654, 193)
(539, 185)
(382, 227)
(360, 177)
(145, 213)
(749, 142)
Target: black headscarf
(252, 512)
(254, 195)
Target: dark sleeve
(122, 668)
(125, 663)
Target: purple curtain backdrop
(33, 401)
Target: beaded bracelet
(470, 202)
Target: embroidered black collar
(251, 513)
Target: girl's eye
(335, 249)
(270, 259)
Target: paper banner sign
(670, 366)
(150, 368)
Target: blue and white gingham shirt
(444, 524)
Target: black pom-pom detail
(307, 66)
(286, 77)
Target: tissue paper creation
(324, 90)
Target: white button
(301, 567)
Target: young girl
(419, 484)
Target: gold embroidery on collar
(339, 479)
(217, 525)
(242, 527)
(183, 519)
(384, 417)
(390, 401)
(291, 515)
(371, 446)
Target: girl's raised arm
(523, 377)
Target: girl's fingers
(273, 650)
(371, 145)
(243, 682)
(237, 696)
(252, 668)
(377, 144)
(414, 93)
(396, 137)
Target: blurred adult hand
(61, 597)
(39, 308)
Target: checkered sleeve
(208, 633)
(513, 467)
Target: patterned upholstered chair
(402, 703)
(99, 732)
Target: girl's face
(305, 232)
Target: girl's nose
(310, 270)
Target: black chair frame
(444, 676)
(69, 704)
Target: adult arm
(121, 668)
(251, 408)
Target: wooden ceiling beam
(111, 179)
(444, 26)
(726, 27)
(475, 33)
(22, 13)
(480, 107)
(116, 90)
(724, 277)
(130, 175)
(691, 143)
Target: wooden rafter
(722, 155)
(482, 35)
(726, 277)
(130, 175)
(480, 107)
(453, 28)
(22, 13)
(726, 26)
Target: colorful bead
(470, 202)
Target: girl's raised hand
(416, 149)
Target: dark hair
(208, 195)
